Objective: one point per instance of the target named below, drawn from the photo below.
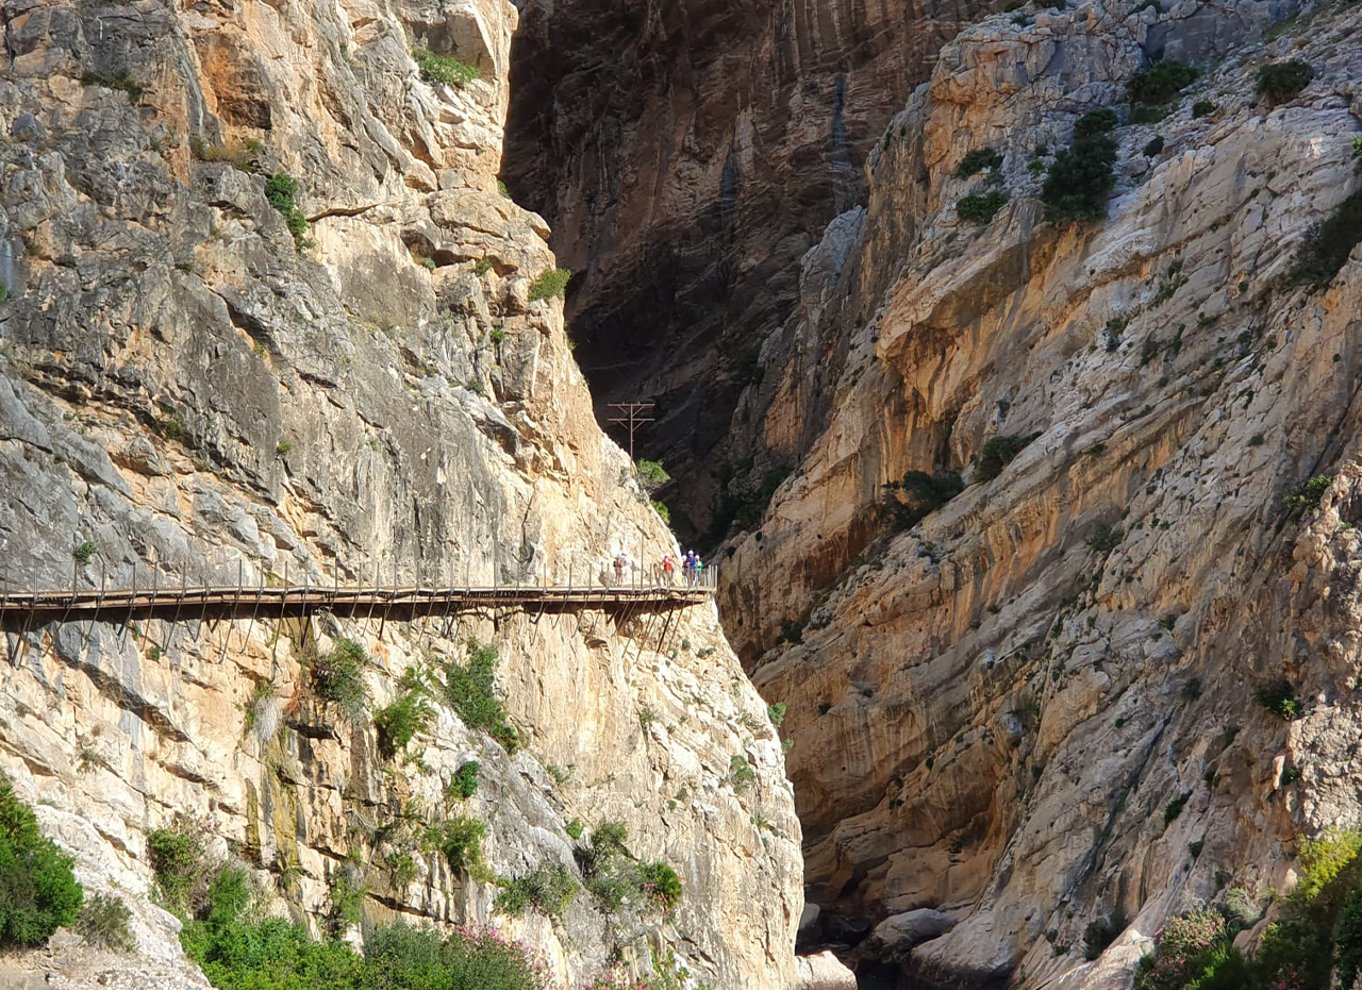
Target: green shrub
(659, 883)
(282, 189)
(1105, 538)
(550, 284)
(575, 828)
(229, 894)
(661, 509)
(548, 889)
(1280, 81)
(1239, 910)
(459, 839)
(443, 68)
(1306, 495)
(998, 452)
(651, 475)
(609, 838)
(1174, 808)
(347, 901)
(1328, 246)
(399, 722)
(270, 955)
(470, 689)
(180, 863)
(173, 427)
(239, 951)
(85, 551)
(1100, 934)
(1203, 108)
(1279, 698)
(1161, 82)
(464, 783)
(338, 677)
(103, 922)
(38, 891)
(919, 494)
(1348, 940)
(116, 79)
(740, 772)
(980, 209)
(1095, 122)
(1154, 146)
(776, 713)
(473, 957)
(4, 292)
(977, 161)
(1080, 180)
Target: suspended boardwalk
(27, 609)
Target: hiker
(668, 570)
(686, 565)
(620, 562)
(698, 569)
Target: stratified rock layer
(1035, 708)
(190, 390)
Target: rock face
(1035, 708)
(207, 376)
(686, 155)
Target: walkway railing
(30, 608)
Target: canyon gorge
(1004, 359)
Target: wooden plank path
(33, 608)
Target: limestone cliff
(265, 313)
(686, 155)
(1034, 709)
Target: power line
(631, 419)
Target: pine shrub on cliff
(1160, 82)
(998, 452)
(1281, 81)
(1327, 248)
(908, 501)
(38, 891)
(1081, 179)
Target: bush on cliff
(38, 891)
(980, 209)
(550, 284)
(919, 494)
(239, 950)
(1280, 81)
(998, 452)
(443, 69)
(338, 677)
(399, 722)
(1080, 179)
(1328, 246)
(1161, 82)
(978, 160)
(470, 689)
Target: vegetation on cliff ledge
(1314, 943)
(38, 891)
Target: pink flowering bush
(1183, 948)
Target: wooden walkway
(28, 609)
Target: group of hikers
(692, 568)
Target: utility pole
(630, 416)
